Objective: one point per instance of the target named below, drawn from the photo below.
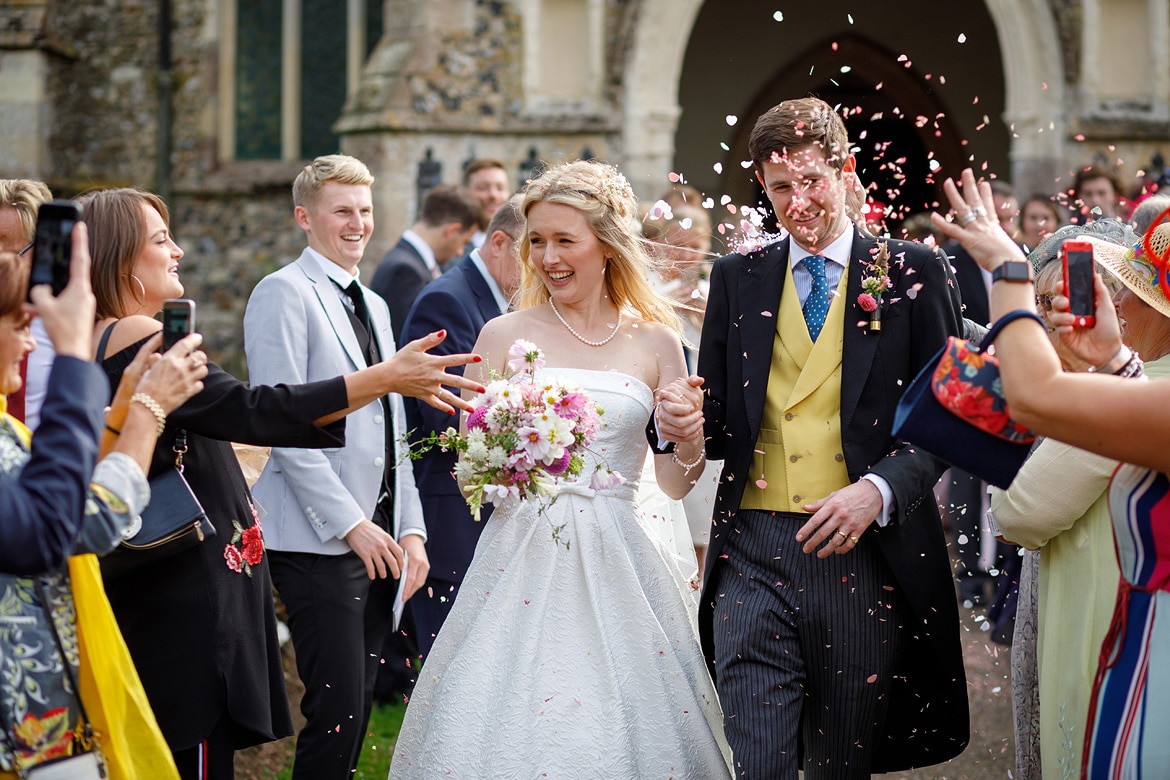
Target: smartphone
(53, 244)
(1077, 259)
(178, 320)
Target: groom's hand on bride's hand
(679, 411)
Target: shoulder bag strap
(101, 350)
(999, 325)
(43, 595)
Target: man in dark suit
(460, 301)
(966, 493)
(827, 607)
(447, 219)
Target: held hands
(976, 224)
(840, 519)
(422, 375)
(1095, 345)
(69, 317)
(679, 410)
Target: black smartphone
(1077, 260)
(178, 320)
(53, 244)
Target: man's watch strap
(1012, 271)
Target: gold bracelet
(154, 408)
(691, 465)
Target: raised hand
(419, 374)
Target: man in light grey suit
(338, 521)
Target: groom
(828, 605)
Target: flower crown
(599, 181)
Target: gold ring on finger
(842, 534)
(854, 539)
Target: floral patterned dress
(38, 708)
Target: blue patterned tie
(816, 306)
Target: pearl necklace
(581, 338)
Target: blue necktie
(816, 306)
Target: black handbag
(173, 521)
(955, 410)
(87, 763)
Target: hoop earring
(142, 287)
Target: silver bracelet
(688, 466)
(154, 408)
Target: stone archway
(674, 105)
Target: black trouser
(338, 618)
(211, 759)
(804, 650)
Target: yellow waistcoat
(798, 457)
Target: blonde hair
(340, 168)
(602, 194)
(117, 233)
(24, 195)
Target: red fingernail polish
(477, 359)
(481, 389)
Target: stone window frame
(1149, 101)
(540, 44)
(290, 140)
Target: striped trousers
(804, 649)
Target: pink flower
(571, 405)
(605, 479)
(475, 419)
(866, 302)
(526, 356)
(560, 465)
(235, 560)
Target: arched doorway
(924, 91)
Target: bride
(577, 656)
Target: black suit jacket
(972, 289)
(461, 302)
(400, 277)
(927, 721)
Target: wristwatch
(1012, 271)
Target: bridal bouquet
(524, 436)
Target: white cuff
(883, 487)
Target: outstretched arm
(1085, 410)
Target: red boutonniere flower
(874, 284)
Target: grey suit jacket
(296, 329)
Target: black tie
(359, 318)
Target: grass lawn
(378, 747)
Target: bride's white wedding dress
(574, 657)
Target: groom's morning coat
(928, 719)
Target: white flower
(477, 449)
(464, 470)
(496, 457)
(498, 494)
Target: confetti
(778, 16)
(731, 119)
(717, 167)
(762, 483)
(962, 37)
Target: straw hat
(1133, 268)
